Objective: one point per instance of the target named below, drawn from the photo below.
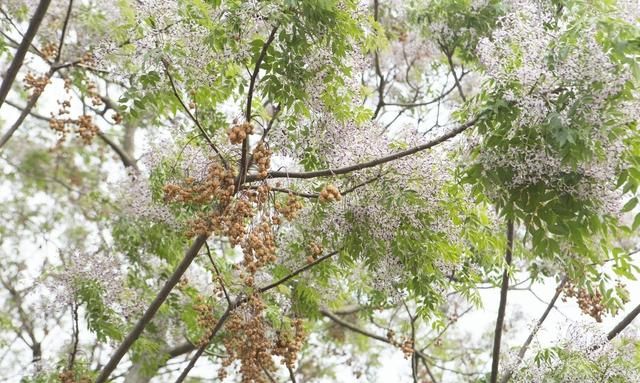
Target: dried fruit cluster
(206, 320)
(69, 376)
(85, 128)
(49, 51)
(36, 83)
(84, 125)
(315, 250)
(239, 132)
(218, 186)
(288, 345)
(250, 342)
(259, 249)
(590, 304)
(406, 346)
(262, 159)
(92, 92)
(330, 193)
(290, 208)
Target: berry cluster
(36, 83)
(247, 341)
(49, 51)
(406, 345)
(315, 250)
(290, 208)
(219, 185)
(86, 128)
(590, 304)
(92, 91)
(262, 159)
(288, 345)
(330, 193)
(117, 118)
(239, 132)
(259, 249)
(205, 319)
(70, 376)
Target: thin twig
(292, 375)
(191, 116)
(298, 271)
(534, 331)
(449, 55)
(218, 275)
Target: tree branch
(218, 275)
(202, 348)
(449, 55)
(626, 321)
(244, 162)
(360, 331)
(76, 335)
(18, 59)
(503, 304)
(124, 157)
(373, 163)
(64, 31)
(137, 330)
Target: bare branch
(503, 304)
(244, 162)
(64, 31)
(18, 59)
(218, 275)
(298, 271)
(626, 321)
(533, 333)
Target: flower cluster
(584, 343)
(562, 98)
(101, 269)
(388, 275)
(137, 200)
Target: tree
(271, 188)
